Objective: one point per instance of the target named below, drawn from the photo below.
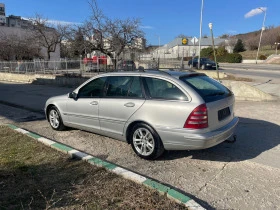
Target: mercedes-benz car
(151, 110)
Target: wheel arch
(48, 109)
(130, 127)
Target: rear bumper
(184, 140)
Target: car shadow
(253, 138)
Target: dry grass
(33, 176)
(234, 78)
(251, 54)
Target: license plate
(223, 113)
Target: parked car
(205, 63)
(126, 65)
(151, 110)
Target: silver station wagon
(151, 110)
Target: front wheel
(145, 142)
(203, 67)
(55, 119)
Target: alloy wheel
(143, 141)
(54, 119)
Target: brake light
(198, 119)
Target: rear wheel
(55, 119)
(145, 142)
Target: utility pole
(213, 45)
(263, 28)
(200, 33)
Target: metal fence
(164, 63)
(81, 67)
(54, 67)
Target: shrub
(221, 51)
(230, 58)
(206, 52)
(262, 57)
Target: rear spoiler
(192, 75)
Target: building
(18, 22)
(2, 15)
(176, 48)
(20, 28)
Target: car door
(123, 97)
(166, 106)
(83, 111)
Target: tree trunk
(49, 55)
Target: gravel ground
(243, 175)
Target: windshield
(209, 89)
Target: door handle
(94, 103)
(129, 104)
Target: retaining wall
(43, 79)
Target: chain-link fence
(56, 67)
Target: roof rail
(155, 70)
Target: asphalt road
(246, 66)
(255, 73)
(242, 175)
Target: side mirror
(72, 95)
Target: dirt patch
(33, 176)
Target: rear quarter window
(162, 89)
(209, 89)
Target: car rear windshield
(209, 89)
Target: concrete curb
(243, 91)
(171, 193)
(245, 69)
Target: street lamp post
(276, 43)
(200, 33)
(213, 46)
(158, 48)
(263, 28)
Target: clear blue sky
(160, 18)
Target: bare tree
(48, 35)
(15, 47)
(110, 36)
(224, 36)
(252, 39)
(74, 45)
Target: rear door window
(162, 89)
(135, 90)
(209, 89)
(118, 86)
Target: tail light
(198, 119)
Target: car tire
(145, 142)
(191, 66)
(203, 67)
(55, 119)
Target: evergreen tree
(239, 46)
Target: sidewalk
(267, 87)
